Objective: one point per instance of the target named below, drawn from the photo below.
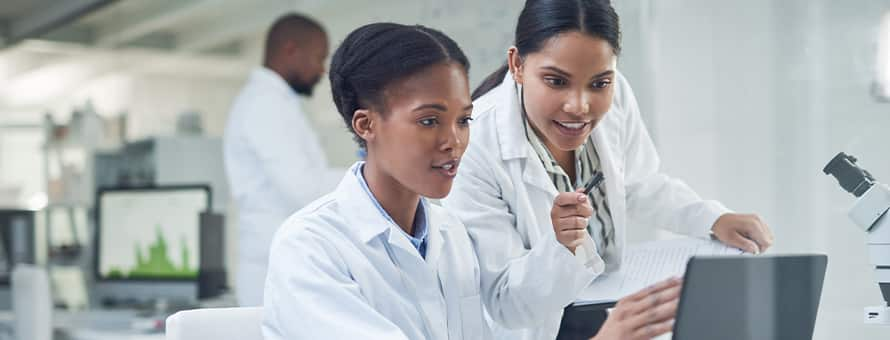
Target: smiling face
(419, 139)
(567, 87)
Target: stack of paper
(647, 264)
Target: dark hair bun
(375, 55)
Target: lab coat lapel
(408, 256)
(426, 273)
(448, 269)
(534, 174)
(521, 159)
(365, 221)
(437, 236)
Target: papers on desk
(647, 264)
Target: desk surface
(107, 324)
(83, 334)
(117, 324)
(120, 324)
(94, 325)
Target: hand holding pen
(570, 214)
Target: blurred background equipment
(161, 161)
(212, 273)
(189, 123)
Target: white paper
(647, 264)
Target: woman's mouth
(448, 169)
(571, 129)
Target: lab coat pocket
(471, 317)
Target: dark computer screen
(16, 240)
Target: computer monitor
(16, 240)
(148, 243)
(16, 246)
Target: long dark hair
(375, 55)
(541, 20)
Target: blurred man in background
(274, 161)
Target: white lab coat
(503, 195)
(331, 275)
(275, 166)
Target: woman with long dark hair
(551, 122)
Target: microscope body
(870, 214)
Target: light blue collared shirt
(420, 223)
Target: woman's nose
(583, 108)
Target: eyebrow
(567, 75)
(439, 107)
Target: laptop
(750, 297)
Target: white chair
(216, 324)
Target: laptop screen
(750, 297)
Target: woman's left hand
(744, 231)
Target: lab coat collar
(358, 209)
(437, 229)
(366, 221)
(511, 134)
(421, 241)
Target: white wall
(483, 29)
(750, 100)
(157, 100)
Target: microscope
(869, 213)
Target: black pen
(595, 181)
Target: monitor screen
(16, 240)
(150, 234)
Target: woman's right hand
(570, 213)
(644, 315)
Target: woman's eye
(555, 81)
(602, 84)
(466, 120)
(428, 121)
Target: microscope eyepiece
(850, 176)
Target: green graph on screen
(155, 263)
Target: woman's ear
(362, 124)
(514, 61)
